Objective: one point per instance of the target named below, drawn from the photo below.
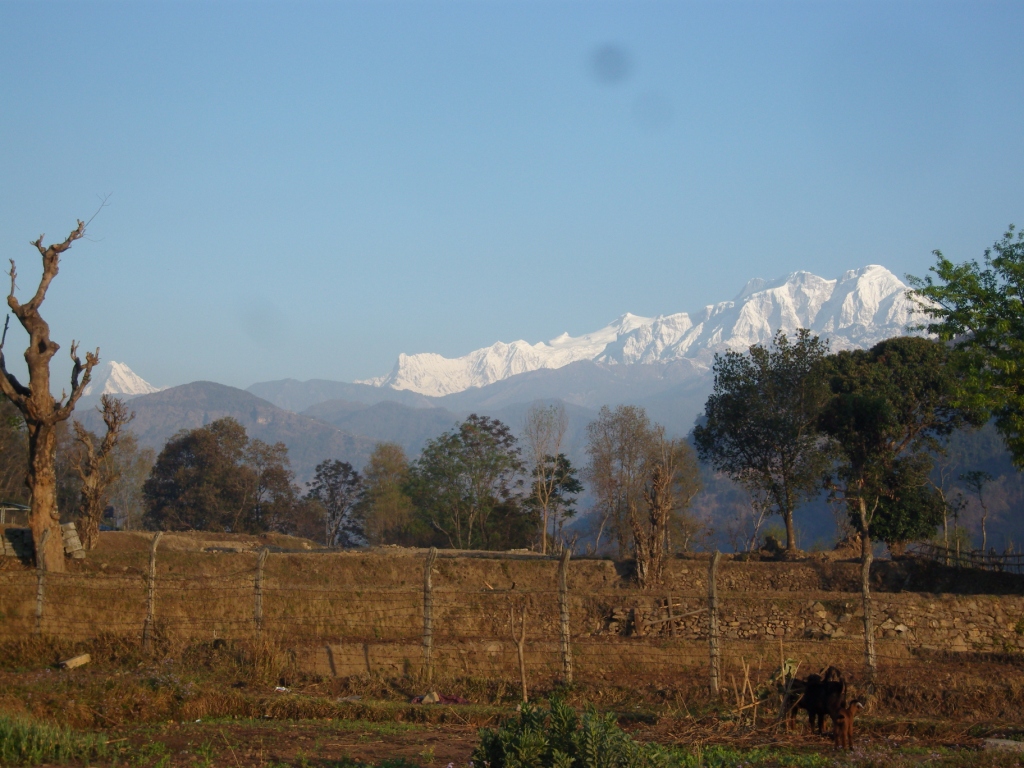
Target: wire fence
(1008, 562)
(434, 625)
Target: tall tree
(976, 480)
(543, 433)
(96, 468)
(979, 308)
(466, 486)
(200, 481)
(338, 487)
(672, 482)
(387, 508)
(273, 494)
(132, 466)
(891, 407)
(760, 423)
(41, 410)
(553, 497)
(620, 444)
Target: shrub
(24, 742)
(557, 738)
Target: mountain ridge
(857, 309)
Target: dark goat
(820, 695)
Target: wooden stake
(671, 623)
(147, 628)
(563, 615)
(520, 643)
(258, 607)
(428, 615)
(714, 651)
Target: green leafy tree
(216, 479)
(891, 407)
(466, 487)
(338, 488)
(553, 496)
(199, 480)
(760, 422)
(385, 506)
(979, 308)
(273, 493)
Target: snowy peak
(113, 378)
(858, 309)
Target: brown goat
(844, 724)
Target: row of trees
(788, 419)
(471, 487)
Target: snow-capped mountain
(113, 378)
(856, 310)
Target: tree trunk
(42, 482)
(790, 533)
(867, 555)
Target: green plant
(557, 738)
(24, 742)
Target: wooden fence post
(715, 652)
(147, 628)
(520, 644)
(671, 620)
(40, 584)
(428, 616)
(258, 606)
(563, 614)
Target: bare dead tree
(671, 485)
(543, 433)
(42, 411)
(96, 467)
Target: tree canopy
(216, 478)
(760, 422)
(466, 487)
(979, 308)
(893, 406)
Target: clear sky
(307, 189)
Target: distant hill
(386, 421)
(158, 416)
(297, 396)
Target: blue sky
(307, 189)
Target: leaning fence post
(40, 583)
(563, 614)
(715, 651)
(258, 606)
(147, 628)
(428, 615)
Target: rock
(76, 661)
(1003, 745)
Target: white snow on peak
(856, 310)
(113, 378)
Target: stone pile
(17, 542)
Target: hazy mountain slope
(297, 396)
(387, 421)
(160, 415)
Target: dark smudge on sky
(610, 64)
